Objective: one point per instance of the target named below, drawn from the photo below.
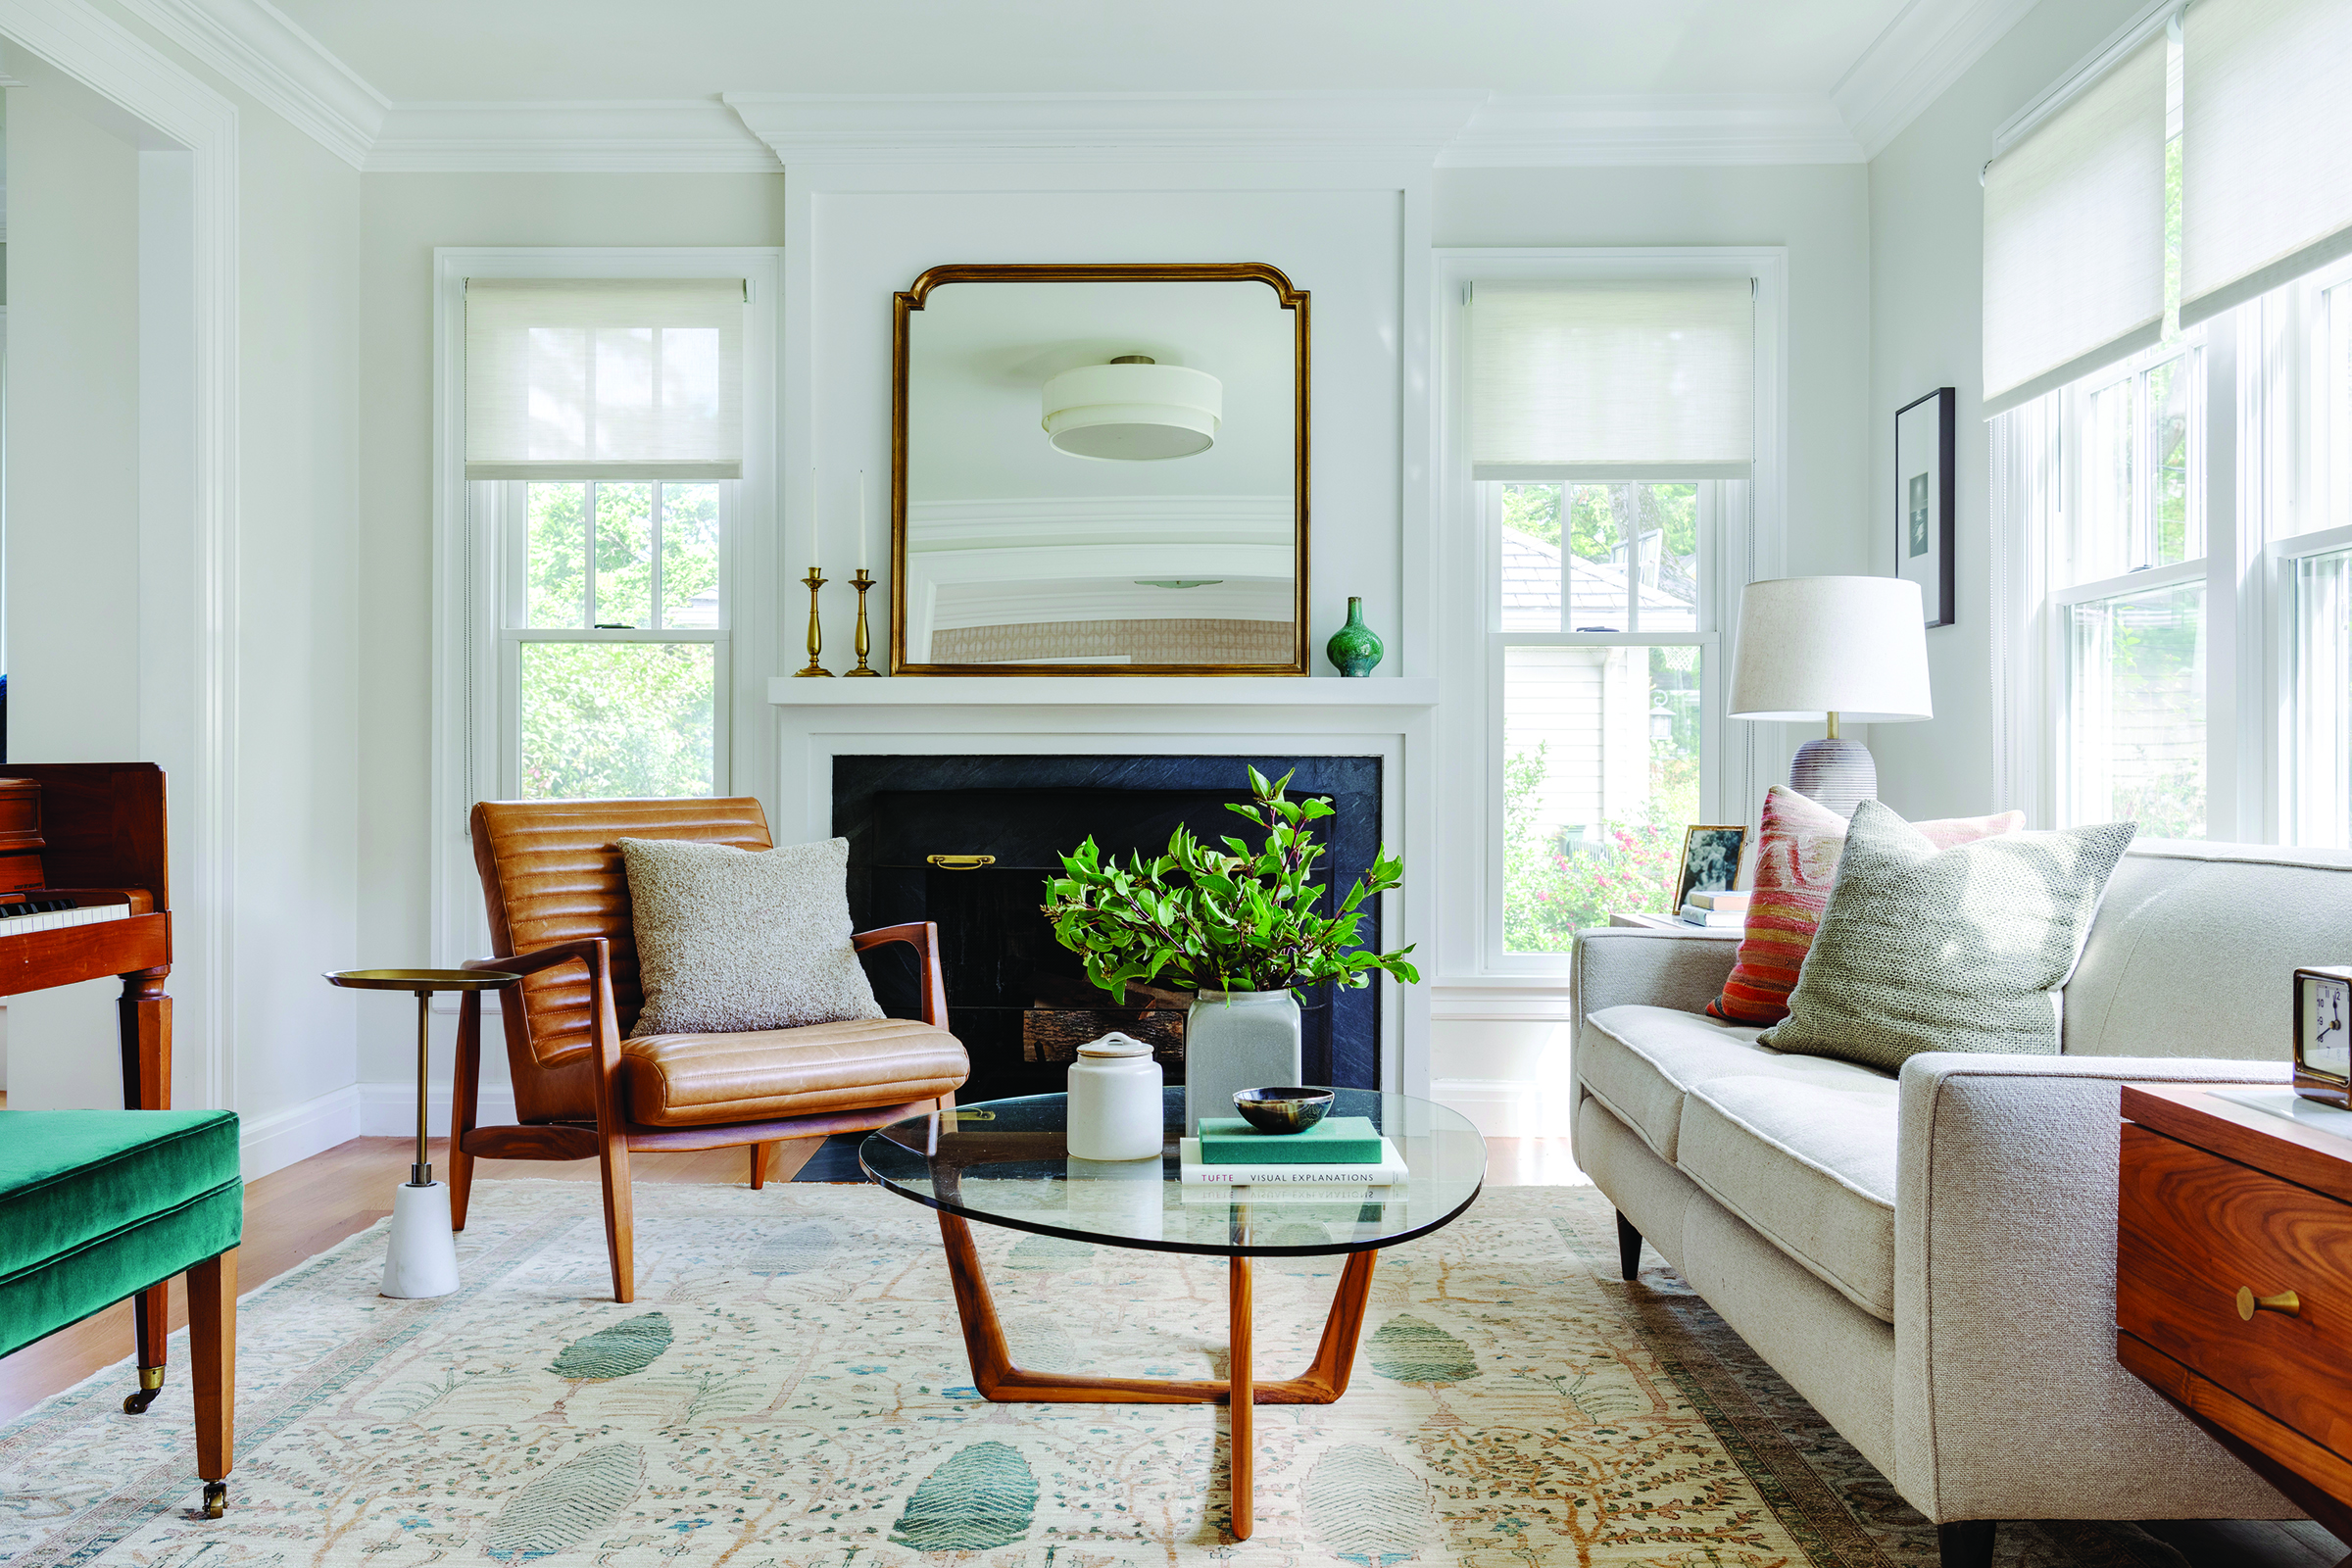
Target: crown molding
(266, 53)
(618, 136)
(1595, 130)
(1923, 50)
(1084, 127)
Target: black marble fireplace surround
(1016, 996)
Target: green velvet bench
(100, 1206)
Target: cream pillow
(730, 940)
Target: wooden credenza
(2233, 1283)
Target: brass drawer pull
(2248, 1303)
(960, 862)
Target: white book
(1693, 914)
(1287, 1193)
(1391, 1170)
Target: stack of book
(1715, 910)
(1344, 1157)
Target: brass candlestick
(817, 636)
(865, 644)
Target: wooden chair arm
(924, 937)
(589, 950)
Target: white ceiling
(754, 85)
(578, 49)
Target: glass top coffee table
(1004, 1162)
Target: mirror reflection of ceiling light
(1133, 410)
(1178, 582)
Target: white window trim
(1469, 927)
(468, 750)
(2266, 478)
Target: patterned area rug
(790, 1391)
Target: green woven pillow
(1962, 949)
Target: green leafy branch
(1229, 919)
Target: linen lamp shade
(1834, 648)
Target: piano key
(17, 919)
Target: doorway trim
(197, 749)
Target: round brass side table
(422, 1258)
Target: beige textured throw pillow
(1959, 949)
(730, 940)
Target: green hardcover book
(1333, 1141)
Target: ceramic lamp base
(421, 1261)
(1835, 773)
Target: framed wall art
(1923, 500)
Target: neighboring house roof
(1530, 587)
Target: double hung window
(2129, 601)
(604, 455)
(1611, 445)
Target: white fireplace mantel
(1102, 691)
(1394, 719)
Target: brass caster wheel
(138, 1403)
(215, 1498)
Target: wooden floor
(298, 1212)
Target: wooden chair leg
(151, 1331)
(620, 1234)
(758, 1166)
(213, 1372)
(465, 1103)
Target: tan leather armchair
(558, 904)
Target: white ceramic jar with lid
(1114, 1110)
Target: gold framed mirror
(1100, 470)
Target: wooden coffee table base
(1324, 1380)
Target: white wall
(73, 543)
(404, 217)
(1926, 293)
(99, 578)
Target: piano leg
(145, 1017)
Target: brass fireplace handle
(960, 862)
(2248, 1303)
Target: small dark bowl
(1282, 1111)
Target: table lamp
(1831, 648)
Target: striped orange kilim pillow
(1796, 864)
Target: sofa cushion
(1641, 1061)
(1809, 1162)
(686, 1080)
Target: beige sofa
(1931, 1260)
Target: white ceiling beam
(1510, 132)
(1928, 46)
(901, 127)
(608, 137)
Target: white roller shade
(570, 378)
(2266, 147)
(2073, 236)
(1613, 379)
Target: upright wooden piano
(83, 894)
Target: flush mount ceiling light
(1133, 411)
(1178, 582)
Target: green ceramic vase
(1354, 650)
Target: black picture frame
(1924, 482)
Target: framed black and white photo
(1710, 862)
(1923, 500)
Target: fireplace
(1020, 1003)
